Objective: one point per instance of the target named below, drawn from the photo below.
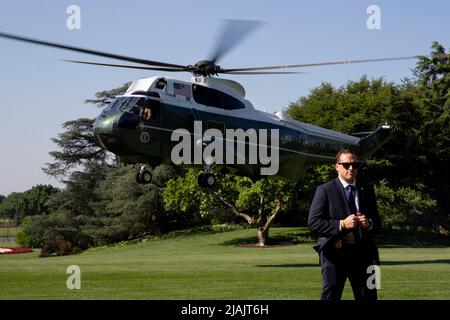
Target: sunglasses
(347, 165)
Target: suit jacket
(330, 205)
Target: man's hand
(351, 222)
(363, 221)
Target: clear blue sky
(39, 91)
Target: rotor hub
(205, 68)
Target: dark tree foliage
(433, 76)
(76, 144)
(35, 201)
(124, 210)
(8, 208)
(77, 149)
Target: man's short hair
(345, 151)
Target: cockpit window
(130, 104)
(113, 105)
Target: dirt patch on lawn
(271, 245)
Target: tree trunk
(263, 232)
(263, 235)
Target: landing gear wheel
(209, 180)
(143, 176)
(206, 180)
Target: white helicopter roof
(142, 84)
(228, 86)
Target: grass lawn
(206, 266)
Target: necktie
(352, 206)
(351, 198)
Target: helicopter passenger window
(215, 98)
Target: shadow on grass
(383, 263)
(293, 238)
(411, 239)
(386, 239)
(399, 263)
(290, 265)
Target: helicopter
(207, 119)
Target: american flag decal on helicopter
(182, 89)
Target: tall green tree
(35, 201)
(8, 208)
(125, 209)
(77, 147)
(433, 75)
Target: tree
(405, 207)
(105, 97)
(77, 144)
(8, 208)
(258, 203)
(78, 149)
(264, 200)
(35, 200)
(433, 77)
(356, 107)
(125, 209)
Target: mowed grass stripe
(203, 266)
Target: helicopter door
(151, 119)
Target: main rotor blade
(263, 72)
(88, 51)
(322, 64)
(128, 66)
(233, 32)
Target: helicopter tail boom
(374, 141)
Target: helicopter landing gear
(207, 180)
(143, 176)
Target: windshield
(130, 104)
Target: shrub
(405, 207)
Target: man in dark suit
(344, 213)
